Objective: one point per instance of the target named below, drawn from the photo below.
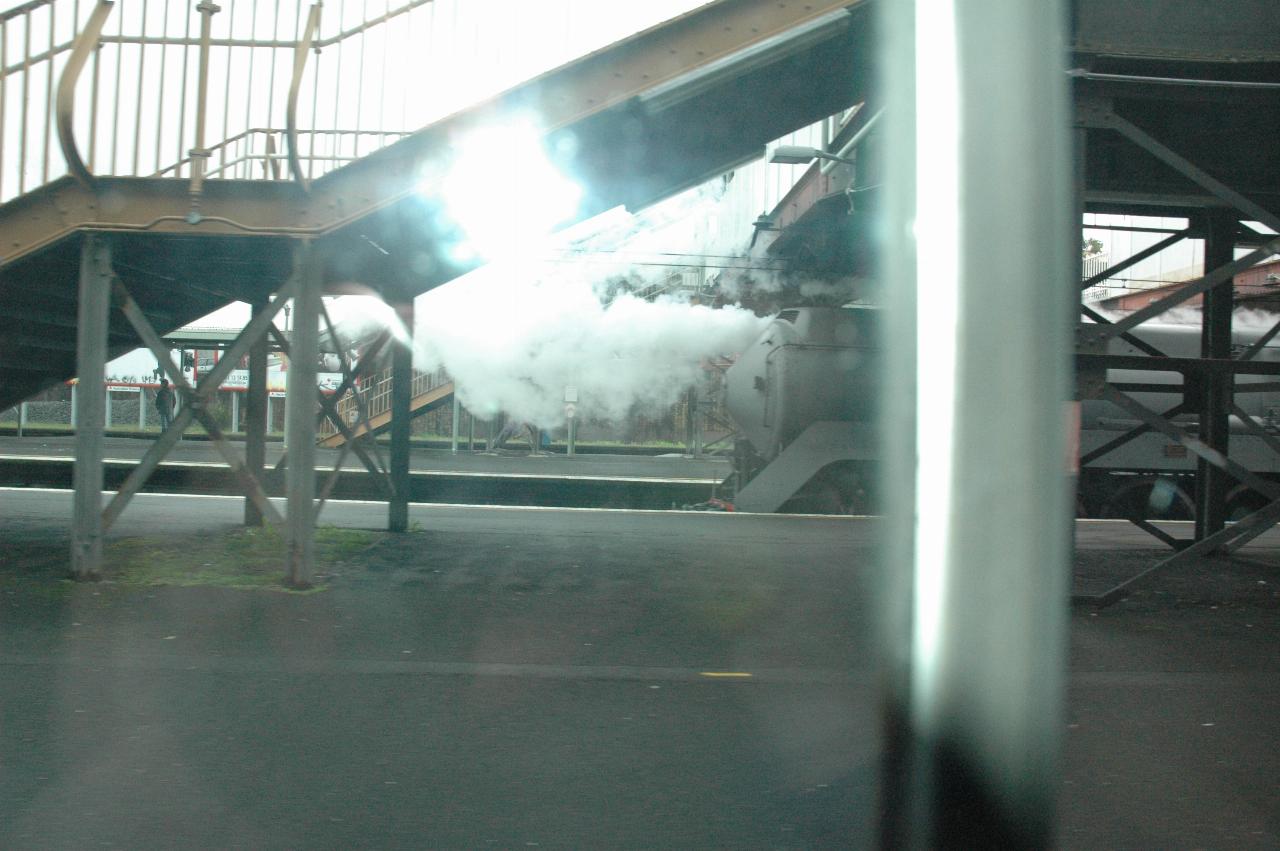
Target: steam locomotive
(822, 367)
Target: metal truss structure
(98, 285)
(1208, 384)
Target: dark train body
(824, 364)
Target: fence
(161, 79)
(127, 409)
(376, 394)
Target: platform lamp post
(456, 422)
(801, 155)
(571, 414)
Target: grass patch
(242, 559)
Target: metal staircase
(136, 224)
(429, 390)
(213, 223)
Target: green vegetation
(242, 559)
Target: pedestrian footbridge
(160, 160)
(122, 138)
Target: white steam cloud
(514, 345)
(516, 334)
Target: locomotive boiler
(804, 399)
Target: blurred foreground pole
(978, 262)
(301, 403)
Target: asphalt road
(544, 678)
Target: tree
(1090, 247)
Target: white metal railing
(162, 78)
(1094, 264)
(259, 153)
(376, 394)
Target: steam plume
(514, 343)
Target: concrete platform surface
(558, 678)
(500, 462)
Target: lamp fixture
(801, 155)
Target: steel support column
(90, 405)
(300, 409)
(1213, 483)
(255, 417)
(974, 701)
(401, 396)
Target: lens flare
(504, 193)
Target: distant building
(1257, 287)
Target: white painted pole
(457, 415)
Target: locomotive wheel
(816, 498)
(1243, 501)
(1149, 498)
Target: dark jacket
(164, 399)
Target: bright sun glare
(505, 193)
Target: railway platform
(503, 477)
(522, 677)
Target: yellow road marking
(739, 674)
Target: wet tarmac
(508, 677)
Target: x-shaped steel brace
(194, 401)
(1209, 454)
(1100, 114)
(328, 408)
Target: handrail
(376, 395)
(364, 26)
(66, 104)
(19, 11)
(143, 117)
(295, 86)
(269, 133)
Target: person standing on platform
(164, 404)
